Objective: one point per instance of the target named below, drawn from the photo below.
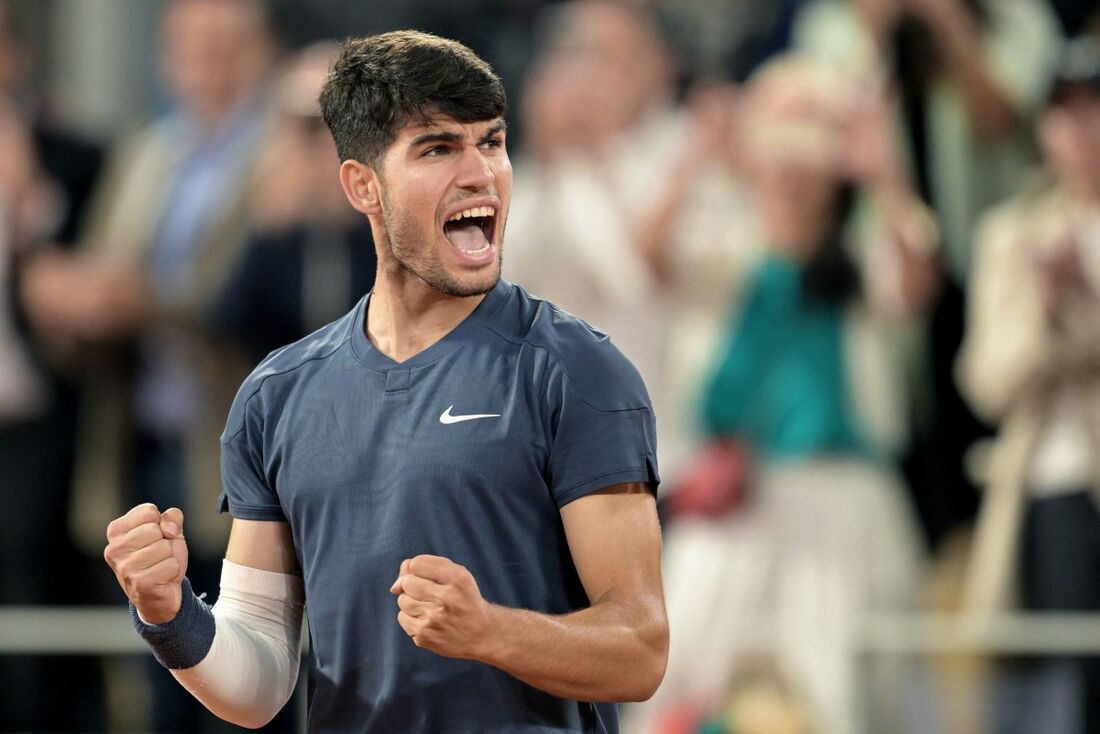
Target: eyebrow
(495, 130)
(444, 136)
(437, 136)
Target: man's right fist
(147, 552)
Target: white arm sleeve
(252, 666)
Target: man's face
(213, 53)
(445, 188)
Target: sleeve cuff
(249, 512)
(624, 476)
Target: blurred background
(853, 246)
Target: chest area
(463, 428)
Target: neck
(406, 315)
(214, 121)
(794, 235)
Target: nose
(476, 172)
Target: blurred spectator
(70, 162)
(45, 177)
(312, 256)
(169, 222)
(170, 219)
(608, 162)
(809, 328)
(1031, 362)
(699, 237)
(970, 76)
(28, 207)
(727, 39)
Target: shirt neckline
(366, 352)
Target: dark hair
(917, 58)
(830, 276)
(1078, 71)
(380, 82)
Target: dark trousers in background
(40, 566)
(1060, 572)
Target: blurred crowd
(853, 246)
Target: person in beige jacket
(1031, 362)
(167, 222)
(128, 312)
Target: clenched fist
(441, 608)
(147, 552)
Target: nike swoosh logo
(446, 418)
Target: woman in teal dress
(807, 381)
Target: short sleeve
(600, 442)
(247, 493)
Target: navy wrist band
(184, 641)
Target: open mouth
(470, 231)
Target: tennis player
(456, 477)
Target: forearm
(250, 668)
(654, 234)
(992, 114)
(1006, 354)
(610, 651)
(614, 650)
(653, 237)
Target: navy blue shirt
(365, 459)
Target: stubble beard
(410, 249)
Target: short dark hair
(1078, 71)
(380, 82)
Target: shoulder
(284, 368)
(1015, 222)
(155, 139)
(137, 160)
(583, 356)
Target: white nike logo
(446, 418)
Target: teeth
(480, 211)
(480, 251)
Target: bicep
(615, 540)
(263, 544)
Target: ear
(361, 187)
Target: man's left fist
(442, 609)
